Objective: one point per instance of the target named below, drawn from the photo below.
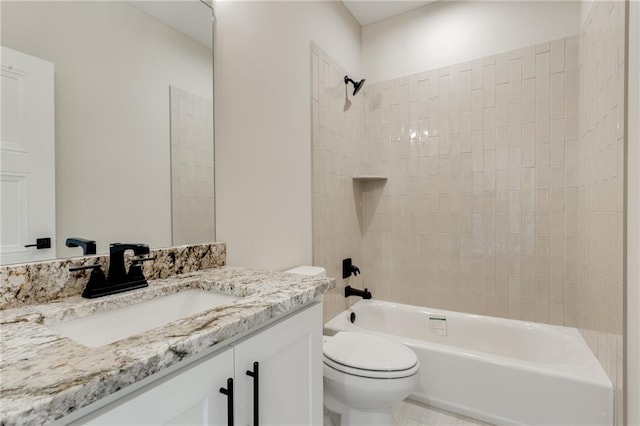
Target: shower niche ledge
(369, 178)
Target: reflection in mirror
(115, 128)
(192, 192)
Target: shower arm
(357, 85)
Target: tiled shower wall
(601, 186)
(336, 132)
(505, 185)
(479, 210)
(192, 186)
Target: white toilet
(364, 373)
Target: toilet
(364, 373)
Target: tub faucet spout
(350, 291)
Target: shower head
(356, 85)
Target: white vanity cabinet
(190, 396)
(288, 356)
(289, 361)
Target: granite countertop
(44, 376)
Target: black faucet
(118, 279)
(117, 272)
(88, 246)
(350, 291)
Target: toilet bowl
(364, 374)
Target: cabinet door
(190, 396)
(289, 354)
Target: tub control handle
(228, 391)
(255, 374)
(348, 268)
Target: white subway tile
(557, 56)
(542, 47)
(489, 85)
(542, 121)
(502, 68)
(502, 148)
(502, 105)
(515, 80)
(528, 62)
(489, 127)
(515, 54)
(529, 145)
(515, 298)
(529, 100)
(477, 107)
(542, 75)
(477, 69)
(557, 95)
(542, 166)
(477, 150)
(557, 138)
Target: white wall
(113, 67)
(633, 219)
(263, 146)
(445, 33)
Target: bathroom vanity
(210, 390)
(266, 343)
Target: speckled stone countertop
(44, 376)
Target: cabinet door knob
(255, 374)
(229, 393)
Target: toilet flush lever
(348, 268)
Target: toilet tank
(311, 271)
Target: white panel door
(189, 397)
(27, 170)
(289, 356)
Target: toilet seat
(370, 374)
(367, 355)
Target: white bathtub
(502, 371)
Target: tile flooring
(410, 413)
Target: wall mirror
(133, 123)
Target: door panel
(13, 197)
(27, 172)
(290, 386)
(189, 397)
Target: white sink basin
(107, 327)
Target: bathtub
(501, 371)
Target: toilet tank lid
(312, 271)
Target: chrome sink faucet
(118, 279)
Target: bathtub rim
(589, 371)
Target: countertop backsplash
(41, 282)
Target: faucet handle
(136, 260)
(135, 273)
(97, 280)
(83, 267)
